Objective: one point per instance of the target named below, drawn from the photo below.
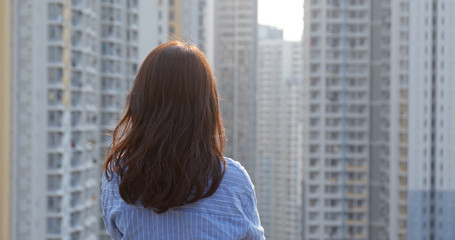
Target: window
(314, 175)
(110, 83)
(55, 54)
(54, 204)
(331, 189)
(54, 139)
(75, 99)
(76, 58)
(54, 225)
(131, 36)
(54, 11)
(107, 101)
(76, 79)
(314, 188)
(75, 236)
(110, 31)
(313, 229)
(76, 38)
(76, 18)
(134, 68)
(132, 3)
(75, 118)
(314, 215)
(76, 159)
(75, 3)
(107, 118)
(54, 118)
(75, 199)
(132, 52)
(107, 14)
(132, 19)
(75, 179)
(75, 219)
(171, 15)
(313, 202)
(109, 66)
(54, 182)
(55, 75)
(76, 139)
(314, 162)
(55, 33)
(111, 49)
(54, 161)
(55, 97)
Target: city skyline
(346, 132)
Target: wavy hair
(167, 148)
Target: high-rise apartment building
(279, 124)
(268, 85)
(187, 21)
(234, 60)
(409, 94)
(163, 20)
(338, 120)
(153, 25)
(396, 77)
(56, 177)
(6, 120)
(73, 63)
(119, 59)
(421, 184)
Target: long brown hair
(167, 149)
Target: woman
(165, 176)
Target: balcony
(356, 182)
(355, 222)
(354, 195)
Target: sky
(284, 14)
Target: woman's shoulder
(237, 166)
(236, 174)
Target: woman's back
(230, 213)
(165, 176)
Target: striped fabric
(230, 213)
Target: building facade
(396, 75)
(234, 60)
(337, 90)
(188, 21)
(408, 71)
(423, 90)
(269, 81)
(279, 173)
(68, 85)
(119, 63)
(56, 181)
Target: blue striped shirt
(230, 213)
